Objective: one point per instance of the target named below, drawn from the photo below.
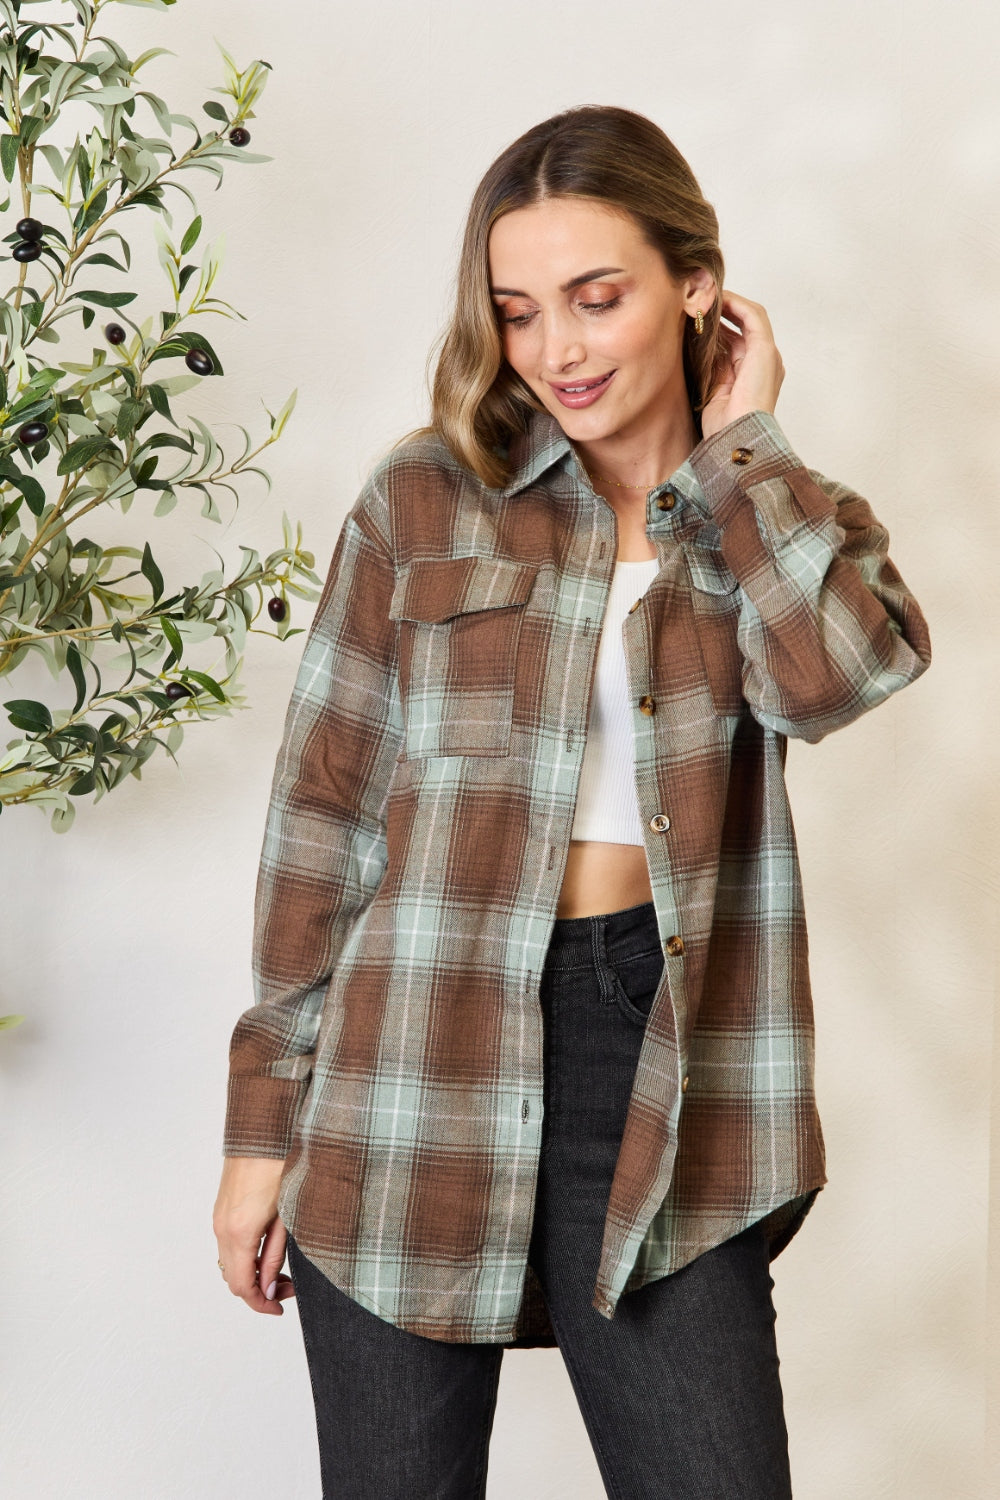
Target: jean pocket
(637, 980)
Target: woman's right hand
(246, 1212)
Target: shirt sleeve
(827, 627)
(324, 849)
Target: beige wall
(853, 154)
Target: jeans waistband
(576, 940)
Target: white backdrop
(852, 152)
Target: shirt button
(659, 823)
(675, 945)
(647, 704)
(742, 455)
(635, 606)
(684, 1084)
(666, 502)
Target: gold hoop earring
(699, 321)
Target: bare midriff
(602, 877)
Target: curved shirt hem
(782, 1222)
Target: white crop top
(606, 804)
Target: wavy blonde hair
(620, 158)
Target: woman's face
(583, 298)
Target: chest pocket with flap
(717, 599)
(459, 622)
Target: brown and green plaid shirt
(418, 831)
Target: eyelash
(598, 307)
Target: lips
(579, 386)
(592, 390)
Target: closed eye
(593, 307)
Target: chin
(589, 425)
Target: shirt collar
(544, 444)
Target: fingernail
(269, 1294)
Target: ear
(700, 291)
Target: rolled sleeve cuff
(747, 459)
(260, 1115)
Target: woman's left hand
(245, 1212)
(750, 371)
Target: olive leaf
(135, 656)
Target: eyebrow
(567, 286)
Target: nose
(562, 345)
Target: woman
(532, 1056)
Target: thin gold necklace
(605, 480)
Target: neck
(643, 461)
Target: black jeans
(679, 1391)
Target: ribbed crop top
(606, 805)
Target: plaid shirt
(418, 831)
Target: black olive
(115, 333)
(177, 690)
(27, 250)
(198, 361)
(30, 229)
(277, 609)
(240, 136)
(32, 432)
